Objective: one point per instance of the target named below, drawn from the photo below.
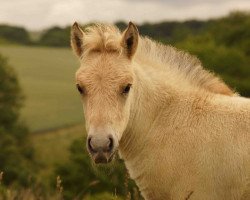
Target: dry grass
(29, 194)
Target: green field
(51, 148)
(47, 79)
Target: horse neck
(151, 96)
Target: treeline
(59, 36)
(169, 32)
(232, 30)
(14, 34)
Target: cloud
(40, 14)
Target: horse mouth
(102, 157)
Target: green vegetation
(80, 177)
(47, 79)
(56, 37)
(14, 34)
(51, 147)
(16, 153)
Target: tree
(56, 36)
(14, 34)
(16, 152)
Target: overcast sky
(40, 14)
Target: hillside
(47, 79)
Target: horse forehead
(109, 71)
(99, 73)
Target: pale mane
(184, 64)
(102, 37)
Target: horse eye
(80, 89)
(127, 89)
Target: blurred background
(42, 135)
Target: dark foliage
(80, 177)
(56, 37)
(16, 152)
(14, 34)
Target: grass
(47, 78)
(51, 148)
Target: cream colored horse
(182, 133)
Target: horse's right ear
(77, 39)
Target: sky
(41, 14)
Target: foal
(181, 131)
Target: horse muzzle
(101, 148)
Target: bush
(16, 152)
(81, 178)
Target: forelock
(102, 38)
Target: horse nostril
(90, 147)
(111, 143)
(97, 144)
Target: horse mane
(184, 64)
(103, 37)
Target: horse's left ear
(130, 40)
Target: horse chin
(103, 158)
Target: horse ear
(77, 39)
(130, 40)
